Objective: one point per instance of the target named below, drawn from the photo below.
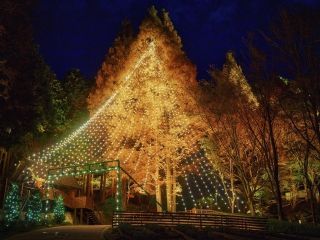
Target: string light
(87, 140)
(11, 205)
(98, 140)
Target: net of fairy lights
(131, 126)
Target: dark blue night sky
(77, 33)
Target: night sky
(77, 33)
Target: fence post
(200, 221)
(171, 218)
(112, 219)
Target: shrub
(34, 209)
(59, 210)
(277, 226)
(109, 206)
(12, 206)
(155, 228)
(188, 230)
(137, 232)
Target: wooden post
(81, 215)
(84, 186)
(75, 216)
(119, 189)
(124, 193)
(113, 188)
(89, 185)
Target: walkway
(74, 232)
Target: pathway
(72, 232)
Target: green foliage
(50, 104)
(137, 232)
(190, 230)
(34, 104)
(109, 206)
(57, 103)
(34, 209)
(12, 205)
(76, 88)
(277, 226)
(16, 69)
(126, 227)
(59, 210)
(153, 12)
(155, 228)
(170, 27)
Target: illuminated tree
(143, 111)
(109, 76)
(230, 147)
(59, 210)
(12, 205)
(292, 41)
(76, 88)
(34, 209)
(266, 124)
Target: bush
(189, 230)
(59, 210)
(276, 226)
(126, 228)
(137, 232)
(155, 228)
(11, 207)
(109, 206)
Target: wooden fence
(227, 221)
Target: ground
(154, 232)
(74, 232)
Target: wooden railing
(72, 201)
(198, 220)
(206, 211)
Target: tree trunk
(102, 187)
(278, 199)
(275, 163)
(158, 190)
(294, 195)
(174, 190)
(318, 188)
(168, 185)
(312, 201)
(309, 185)
(251, 206)
(233, 197)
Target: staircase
(92, 218)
